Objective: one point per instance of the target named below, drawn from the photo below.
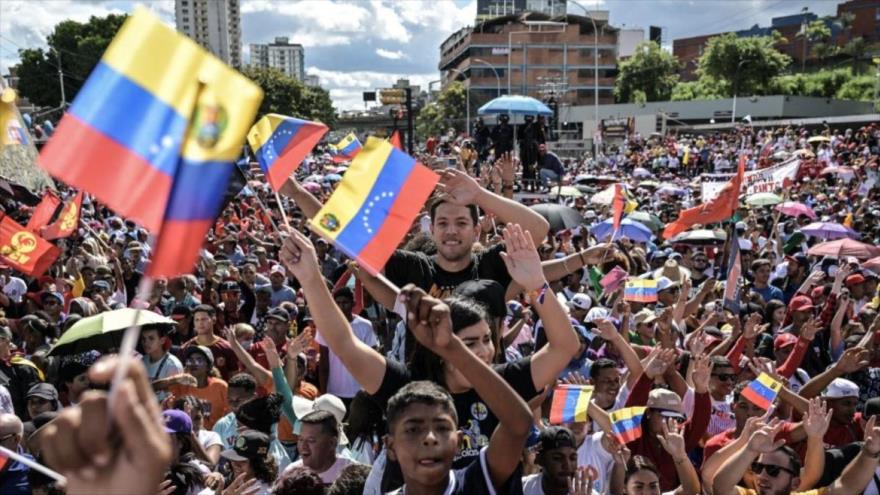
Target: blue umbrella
(629, 229)
(515, 105)
(333, 178)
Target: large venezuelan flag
(281, 143)
(762, 391)
(570, 404)
(626, 423)
(346, 149)
(153, 134)
(375, 204)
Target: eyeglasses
(772, 471)
(726, 377)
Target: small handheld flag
(570, 403)
(643, 290)
(11, 130)
(375, 204)
(281, 143)
(720, 208)
(612, 280)
(626, 423)
(734, 270)
(762, 391)
(617, 205)
(346, 149)
(44, 212)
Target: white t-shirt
(209, 438)
(532, 485)
(330, 475)
(340, 382)
(163, 368)
(593, 455)
(721, 418)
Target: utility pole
(61, 79)
(409, 121)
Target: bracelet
(538, 294)
(872, 456)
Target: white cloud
(346, 88)
(391, 55)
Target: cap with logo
(841, 388)
(581, 301)
(249, 444)
(177, 421)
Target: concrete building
(533, 54)
(312, 80)
(866, 24)
(489, 9)
(283, 55)
(628, 40)
(213, 24)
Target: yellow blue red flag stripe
(153, 134)
(346, 149)
(570, 404)
(640, 290)
(281, 143)
(626, 423)
(374, 205)
(762, 391)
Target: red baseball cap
(854, 279)
(784, 340)
(817, 292)
(800, 303)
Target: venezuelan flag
(570, 403)
(374, 205)
(641, 290)
(281, 143)
(11, 130)
(626, 423)
(153, 134)
(762, 391)
(346, 149)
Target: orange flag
(718, 209)
(44, 211)
(618, 204)
(67, 221)
(395, 140)
(24, 251)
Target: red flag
(68, 220)
(24, 251)
(618, 204)
(718, 209)
(44, 211)
(358, 290)
(395, 140)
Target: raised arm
(262, 375)
(673, 443)
(605, 329)
(733, 469)
(364, 363)
(524, 266)
(309, 204)
(462, 189)
(853, 359)
(815, 423)
(429, 320)
(556, 269)
(859, 472)
(713, 462)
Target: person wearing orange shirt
(199, 383)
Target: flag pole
(15, 456)
(281, 209)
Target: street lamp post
(735, 88)
(497, 78)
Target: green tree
(703, 88)
(287, 96)
(448, 111)
(855, 50)
(745, 65)
(651, 73)
(823, 83)
(80, 46)
(858, 88)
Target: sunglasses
(772, 471)
(726, 378)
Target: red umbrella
(844, 247)
(793, 209)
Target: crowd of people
(284, 368)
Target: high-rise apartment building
(213, 24)
(488, 9)
(283, 55)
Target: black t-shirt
(476, 480)
(408, 267)
(474, 418)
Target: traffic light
(392, 96)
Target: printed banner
(768, 179)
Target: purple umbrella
(829, 230)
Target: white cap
(664, 283)
(581, 301)
(277, 269)
(745, 244)
(326, 402)
(840, 388)
(597, 313)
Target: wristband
(538, 294)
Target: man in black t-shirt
(455, 228)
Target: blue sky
(358, 45)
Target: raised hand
(507, 167)
(852, 360)
(701, 373)
(242, 485)
(672, 440)
(810, 328)
(521, 258)
(298, 256)
(817, 419)
(751, 328)
(582, 482)
(186, 380)
(872, 437)
(272, 357)
(816, 277)
(299, 343)
(458, 187)
(658, 361)
(762, 441)
(575, 379)
(605, 329)
(428, 319)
